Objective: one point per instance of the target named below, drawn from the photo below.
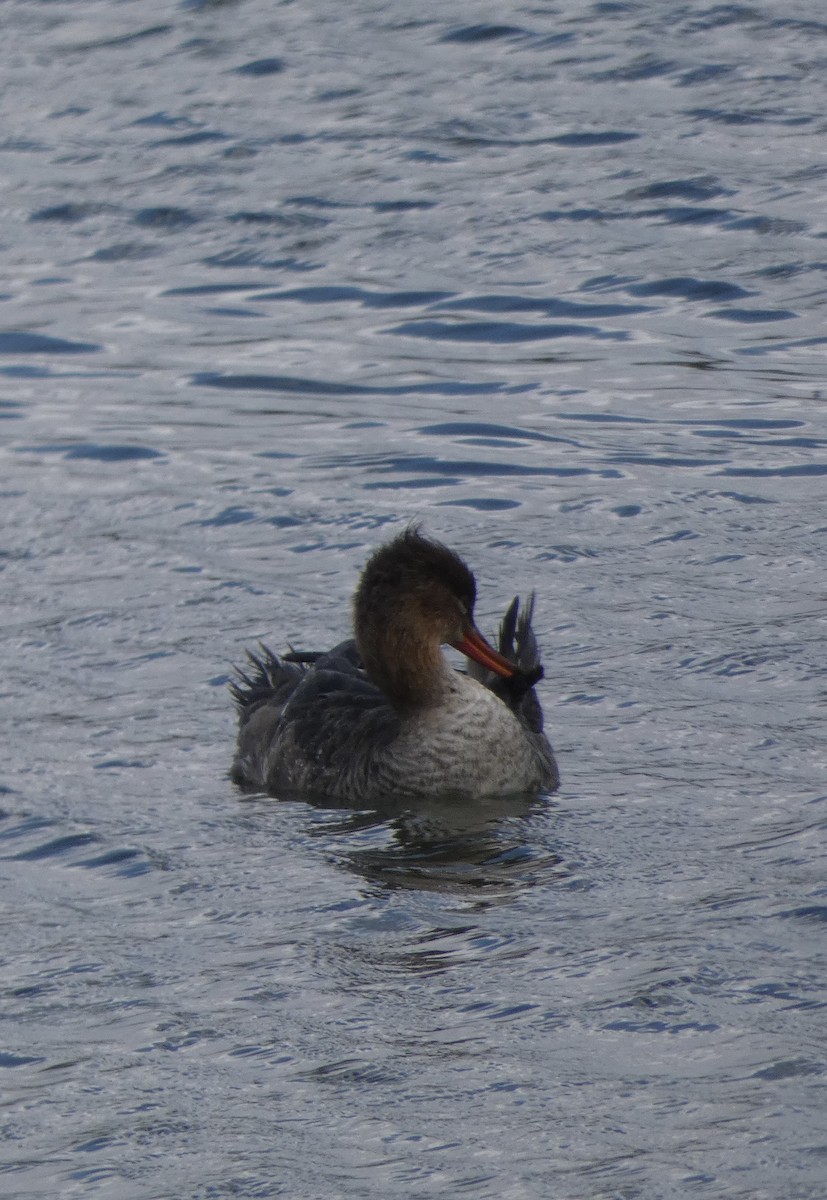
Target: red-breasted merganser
(386, 715)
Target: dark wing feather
(338, 717)
(517, 641)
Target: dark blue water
(278, 278)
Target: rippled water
(278, 278)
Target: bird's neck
(412, 673)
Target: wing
(516, 640)
(317, 730)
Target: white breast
(470, 744)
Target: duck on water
(385, 714)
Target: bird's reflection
(481, 847)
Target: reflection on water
(479, 847)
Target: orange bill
(475, 646)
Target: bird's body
(385, 714)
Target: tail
(265, 679)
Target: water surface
(278, 279)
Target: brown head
(416, 595)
